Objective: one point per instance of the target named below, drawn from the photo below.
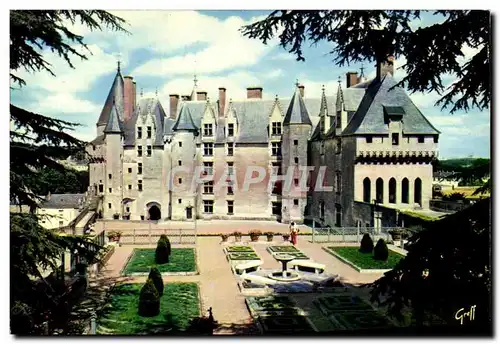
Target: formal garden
(367, 256)
(172, 261)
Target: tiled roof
(115, 95)
(369, 117)
(63, 201)
(297, 110)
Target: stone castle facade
(372, 142)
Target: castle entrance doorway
(154, 213)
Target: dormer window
(207, 130)
(338, 119)
(139, 132)
(322, 125)
(149, 132)
(276, 128)
(322, 148)
(395, 139)
(230, 129)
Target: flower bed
(239, 249)
(278, 315)
(290, 250)
(178, 305)
(283, 249)
(243, 256)
(365, 260)
(142, 259)
(351, 312)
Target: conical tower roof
(116, 96)
(297, 111)
(114, 124)
(184, 120)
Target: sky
(166, 48)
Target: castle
(368, 143)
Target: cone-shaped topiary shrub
(162, 252)
(163, 237)
(149, 300)
(381, 252)
(155, 276)
(366, 244)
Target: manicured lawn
(181, 260)
(179, 304)
(365, 260)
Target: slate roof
(167, 127)
(115, 95)
(146, 107)
(63, 201)
(99, 140)
(369, 117)
(114, 124)
(297, 110)
(185, 120)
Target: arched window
(418, 191)
(404, 191)
(367, 190)
(392, 190)
(379, 190)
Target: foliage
(163, 251)
(269, 234)
(255, 232)
(456, 196)
(365, 260)
(381, 252)
(181, 260)
(149, 300)
(179, 304)
(224, 237)
(366, 245)
(203, 325)
(448, 267)
(237, 234)
(468, 171)
(33, 250)
(155, 276)
(58, 181)
(114, 234)
(371, 35)
(37, 143)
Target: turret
(296, 131)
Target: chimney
(385, 67)
(351, 79)
(254, 92)
(128, 99)
(135, 95)
(222, 101)
(202, 95)
(174, 100)
(301, 90)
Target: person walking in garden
(294, 231)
